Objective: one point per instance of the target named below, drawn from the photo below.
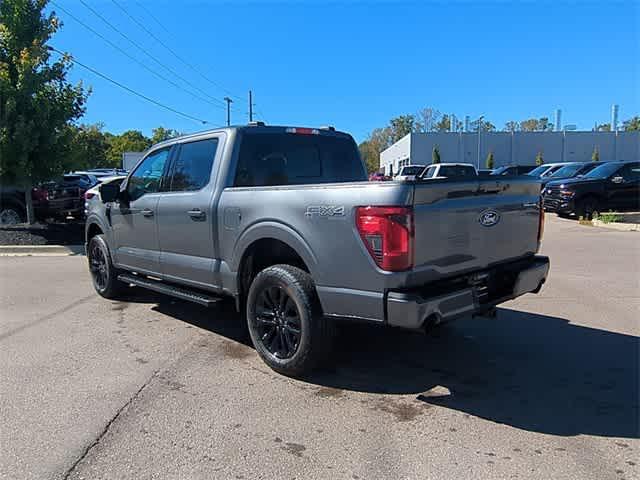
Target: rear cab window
(279, 158)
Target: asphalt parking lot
(156, 388)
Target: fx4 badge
(324, 211)
(489, 218)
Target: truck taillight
(540, 224)
(387, 232)
(88, 195)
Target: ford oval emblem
(489, 218)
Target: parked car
(546, 169)
(611, 186)
(513, 170)
(409, 172)
(571, 170)
(12, 205)
(92, 199)
(284, 221)
(378, 177)
(450, 170)
(63, 197)
(106, 172)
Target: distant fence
(512, 148)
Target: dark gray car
(284, 221)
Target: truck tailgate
(468, 225)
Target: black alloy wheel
(98, 266)
(277, 322)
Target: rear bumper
(471, 295)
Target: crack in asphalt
(46, 317)
(106, 428)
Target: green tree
(539, 159)
(161, 134)
(87, 147)
(482, 124)
(511, 126)
(490, 161)
(595, 156)
(370, 155)
(435, 154)
(37, 104)
(631, 125)
(129, 141)
(402, 126)
(536, 125)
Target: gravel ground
(43, 234)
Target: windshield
(603, 171)
(411, 170)
(567, 171)
(536, 172)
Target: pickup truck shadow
(534, 372)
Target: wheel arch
(269, 244)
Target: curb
(625, 227)
(41, 250)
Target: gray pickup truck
(283, 220)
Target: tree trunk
(28, 201)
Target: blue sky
(355, 65)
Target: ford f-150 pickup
(283, 220)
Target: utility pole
(479, 131)
(229, 102)
(250, 106)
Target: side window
(146, 178)
(429, 173)
(630, 172)
(192, 169)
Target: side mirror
(617, 179)
(109, 192)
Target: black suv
(611, 186)
(513, 170)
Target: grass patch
(608, 217)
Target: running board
(161, 287)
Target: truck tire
(103, 274)
(588, 207)
(11, 215)
(285, 321)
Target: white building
(519, 148)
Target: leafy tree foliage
(631, 125)
(435, 154)
(539, 159)
(512, 126)
(536, 125)
(402, 126)
(37, 104)
(490, 161)
(161, 134)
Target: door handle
(196, 213)
(147, 212)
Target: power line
(152, 57)
(141, 25)
(125, 53)
(128, 89)
(153, 17)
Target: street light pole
(479, 130)
(229, 101)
